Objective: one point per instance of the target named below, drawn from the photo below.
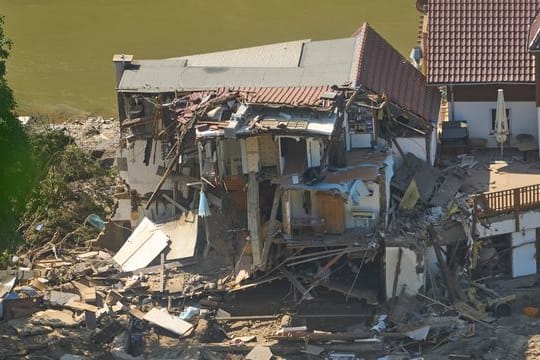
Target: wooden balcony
(507, 201)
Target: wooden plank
(254, 221)
(297, 284)
(137, 313)
(332, 210)
(162, 273)
(89, 295)
(177, 205)
(329, 264)
(77, 305)
(168, 322)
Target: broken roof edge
(415, 96)
(533, 36)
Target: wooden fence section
(507, 201)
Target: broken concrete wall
(140, 176)
(414, 145)
(409, 279)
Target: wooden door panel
(331, 209)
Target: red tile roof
(292, 95)
(383, 70)
(377, 66)
(287, 96)
(480, 41)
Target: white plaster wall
(367, 203)
(413, 145)
(409, 280)
(524, 253)
(139, 176)
(523, 118)
(314, 152)
(528, 220)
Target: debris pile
(79, 302)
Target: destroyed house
(281, 149)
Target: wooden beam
(297, 284)
(254, 218)
(329, 264)
(165, 176)
(169, 199)
(162, 273)
(268, 238)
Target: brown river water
(61, 59)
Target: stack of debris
(88, 304)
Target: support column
(254, 218)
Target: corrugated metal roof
(383, 70)
(152, 76)
(480, 41)
(285, 54)
(322, 63)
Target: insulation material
(144, 245)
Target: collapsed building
(279, 156)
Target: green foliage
(16, 167)
(66, 194)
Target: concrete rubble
(188, 309)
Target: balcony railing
(507, 201)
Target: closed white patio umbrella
(501, 122)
